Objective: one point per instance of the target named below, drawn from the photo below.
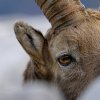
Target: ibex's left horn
(59, 12)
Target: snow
(36, 91)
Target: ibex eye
(65, 60)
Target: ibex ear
(30, 39)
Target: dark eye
(65, 60)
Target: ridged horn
(60, 12)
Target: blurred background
(13, 59)
(29, 7)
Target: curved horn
(60, 12)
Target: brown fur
(80, 39)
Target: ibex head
(69, 55)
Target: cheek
(71, 80)
(71, 75)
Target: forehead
(73, 40)
(64, 42)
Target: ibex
(69, 55)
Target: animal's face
(76, 58)
(70, 59)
